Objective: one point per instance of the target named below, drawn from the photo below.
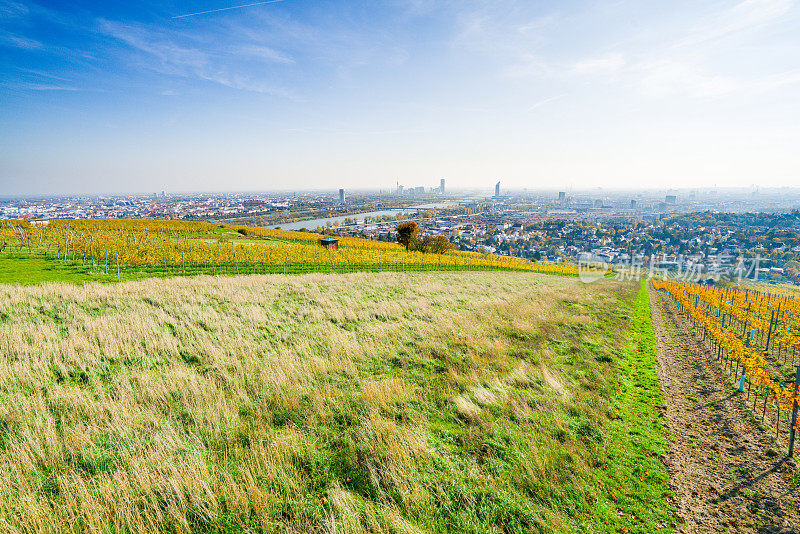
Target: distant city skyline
(295, 95)
(487, 192)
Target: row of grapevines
(714, 310)
(150, 244)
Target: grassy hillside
(417, 402)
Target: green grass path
(630, 469)
(28, 269)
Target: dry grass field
(427, 402)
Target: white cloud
(173, 57)
(608, 64)
(187, 61)
(536, 23)
(417, 7)
(545, 101)
(266, 53)
(777, 81)
(506, 33)
(27, 86)
(528, 66)
(746, 15)
(17, 41)
(661, 58)
(696, 63)
(666, 77)
(9, 10)
(245, 83)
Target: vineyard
(756, 337)
(168, 248)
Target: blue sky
(136, 97)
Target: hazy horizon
(190, 96)
(452, 192)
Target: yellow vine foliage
(751, 308)
(152, 244)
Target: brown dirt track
(728, 472)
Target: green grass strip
(629, 465)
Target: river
(311, 224)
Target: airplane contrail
(225, 9)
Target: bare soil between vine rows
(727, 470)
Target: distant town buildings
(420, 189)
(614, 228)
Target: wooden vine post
(793, 423)
(771, 325)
